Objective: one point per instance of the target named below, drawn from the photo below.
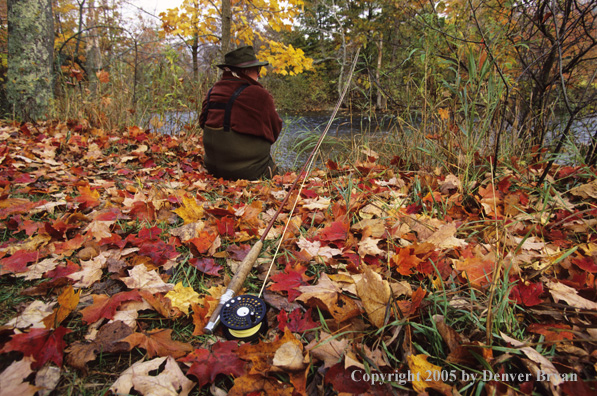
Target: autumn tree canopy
(201, 22)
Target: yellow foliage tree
(200, 21)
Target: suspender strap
(226, 106)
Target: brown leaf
(159, 342)
(328, 349)
(109, 339)
(375, 293)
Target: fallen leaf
(289, 357)
(47, 379)
(67, 302)
(188, 231)
(158, 342)
(560, 291)
(299, 321)
(588, 190)
(91, 272)
(444, 237)
(12, 380)
(343, 379)
(142, 279)
(261, 355)
(259, 385)
(190, 212)
(33, 316)
(42, 344)
(206, 265)
(145, 379)
(289, 281)
(182, 297)
(108, 340)
(207, 364)
(37, 270)
(547, 367)
(424, 374)
(330, 349)
(375, 293)
(17, 262)
(314, 249)
(368, 246)
(527, 293)
(552, 332)
(104, 306)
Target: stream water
(300, 132)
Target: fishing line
(307, 169)
(242, 316)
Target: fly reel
(243, 318)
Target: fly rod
(246, 310)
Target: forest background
(526, 69)
(458, 244)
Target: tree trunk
(226, 23)
(30, 58)
(195, 55)
(94, 57)
(381, 99)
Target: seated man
(239, 121)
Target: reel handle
(234, 286)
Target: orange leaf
(159, 342)
(405, 261)
(67, 302)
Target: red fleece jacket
(253, 112)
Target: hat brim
(245, 65)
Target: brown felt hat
(243, 57)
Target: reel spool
(243, 318)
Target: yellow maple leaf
(190, 212)
(182, 297)
(426, 375)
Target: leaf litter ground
(117, 246)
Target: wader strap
(225, 106)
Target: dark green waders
(231, 155)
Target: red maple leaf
(337, 231)
(527, 293)
(18, 261)
(204, 241)
(43, 345)
(289, 280)
(225, 226)
(206, 365)
(63, 270)
(586, 263)
(206, 265)
(159, 251)
(298, 323)
(105, 306)
(345, 379)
